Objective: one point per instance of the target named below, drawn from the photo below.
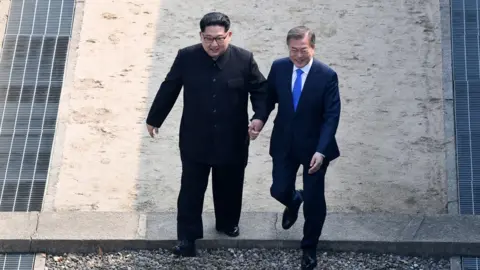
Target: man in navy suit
(308, 99)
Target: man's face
(301, 52)
(215, 40)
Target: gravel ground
(240, 259)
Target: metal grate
(471, 263)
(31, 76)
(17, 261)
(465, 26)
(466, 75)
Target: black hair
(215, 19)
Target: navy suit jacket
(312, 127)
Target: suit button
(214, 110)
(214, 95)
(214, 79)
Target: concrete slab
(454, 228)
(40, 260)
(56, 233)
(16, 230)
(87, 225)
(258, 227)
(339, 226)
(85, 231)
(455, 263)
(402, 234)
(161, 226)
(412, 227)
(161, 230)
(458, 233)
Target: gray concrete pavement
(59, 232)
(455, 263)
(16, 230)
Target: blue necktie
(297, 88)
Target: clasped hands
(256, 127)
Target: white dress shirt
(305, 70)
(304, 75)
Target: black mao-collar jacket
(214, 124)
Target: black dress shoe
(290, 214)
(185, 249)
(232, 232)
(309, 260)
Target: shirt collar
(306, 68)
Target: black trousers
(227, 188)
(314, 206)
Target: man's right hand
(152, 130)
(254, 128)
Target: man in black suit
(308, 98)
(217, 79)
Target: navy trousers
(314, 206)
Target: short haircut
(299, 32)
(215, 19)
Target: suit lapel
(309, 83)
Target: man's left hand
(254, 128)
(316, 163)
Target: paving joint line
(35, 231)
(275, 225)
(417, 229)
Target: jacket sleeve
(167, 94)
(258, 89)
(331, 114)
(271, 97)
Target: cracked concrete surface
(413, 227)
